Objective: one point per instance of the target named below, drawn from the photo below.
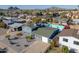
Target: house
(11, 20)
(62, 21)
(37, 47)
(7, 18)
(16, 26)
(28, 29)
(70, 38)
(57, 26)
(7, 22)
(41, 24)
(75, 21)
(45, 34)
(56, 14)
(18, 20)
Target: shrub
(2, 25)
(19, 34)
(65, 49)
(52, 44)
(28, 38)
(7, 36)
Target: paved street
(20, 41)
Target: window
(76, 43)
(64, 39)
(19, 28)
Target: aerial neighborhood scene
(39, 28)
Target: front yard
(55, 50)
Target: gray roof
(7, 21)
(69, 32)
(45, 31)
(31, 25)
(62, 19)
(15, 25)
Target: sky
(39, 6)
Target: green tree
(52, 44)
(69, 21)
(36, 20)
(2, 13)
(28, 38)
(2, 25)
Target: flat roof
(61, 19)
(45, 31)
(15, 25)
(56, 26)
(37, 47)
(7, 17)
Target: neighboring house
(41, 24)
(7, 22)
(70, 38)
(76, 21)
(18, 20)
(57, 26)
(45, 34)
(16, 26)
(62, 21)
(13, 20)
(28, 29)
(8, 18)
